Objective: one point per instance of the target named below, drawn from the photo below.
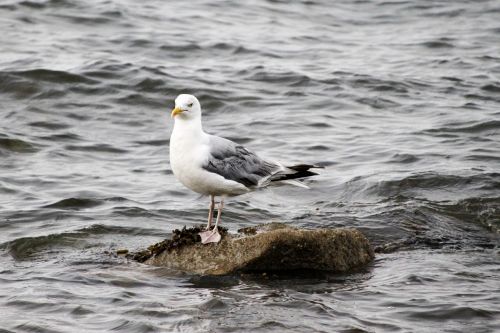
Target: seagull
(217, 167)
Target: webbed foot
(210, 236)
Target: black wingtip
(301, 171)
(305, 167)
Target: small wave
(30, 83)
(240, 140)
(132, 212)
(485, 211)
(17, 86)
(454, 312)
(108, 70)
(46, 4)
(75, 203)
(292, 79)
(319, 148)
(320, 125)
(74, 105)
(493, 157)
(10, 7)
(438, 44)
(48, 125)
(376, 84)
(82, 203)
(377, 102)
(492, 97)
(237, 49)
(6, 190)
(404, 158)
(151, 85)
(154, 143)
(140, 43)
(98, 148)
(471, 106)
(16, 145)
(85, 20)
(81, 310)
(432, 183)
(451, 78)
(452, 12)
(181, 49)
(31, 306)
(53, 76)
(28, 247)
(141, 100)
(494, 88)
(423, 224)
(488, 125)
(102, 229)
(23, 248)
(62, 137)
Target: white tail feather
(295, 183)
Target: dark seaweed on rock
(180, 238)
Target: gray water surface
(399, 99)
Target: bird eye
(190, 105)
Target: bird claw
(210, 236)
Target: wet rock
(268, 248)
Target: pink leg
(205, 234)
(219, 212)
(211, 212)
(213, 236)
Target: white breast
(188, 153)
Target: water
(399, 99)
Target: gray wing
(235, 162)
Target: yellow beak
(176, 111)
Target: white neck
(188, 127)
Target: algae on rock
(266, 248)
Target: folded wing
(234, 162)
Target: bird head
(186, 107)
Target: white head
(186, 107)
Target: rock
(268, 248)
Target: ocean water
(400, 100)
